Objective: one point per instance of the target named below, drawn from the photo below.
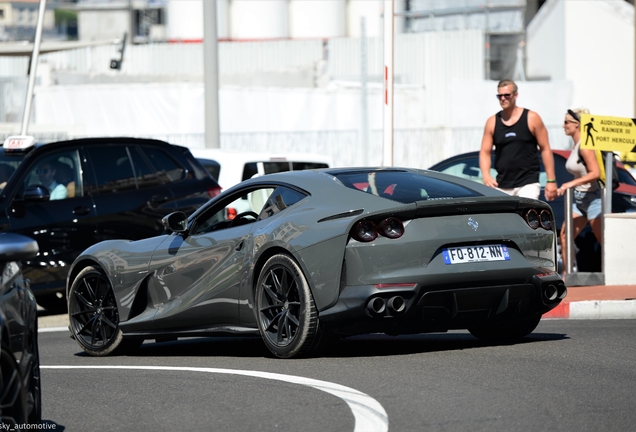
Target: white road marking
(52, 329)
(368, 414)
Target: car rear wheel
(93, 315)
(286, 313)
(13, 405)
(505, 331)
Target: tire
(94, 317)
(13, 402)
(505, 331)
(285, 310)
(34, 388)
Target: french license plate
(467, 254)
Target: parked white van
(230, 167)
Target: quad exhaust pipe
(377, 306)
(553, 291)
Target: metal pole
(211, 74)
(569, 241)
(33, 69)
(609, 162)
(364, 79)
(388, 83)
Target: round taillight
(532, 217)
(391, 228)
(365, 231)
(546, 219)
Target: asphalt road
(570, 375)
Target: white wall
(591, 44)
(317, 19)
(102, 24)
(600, 56)
(177, 108)
(545, 42)
(183, 23)
(262, 19)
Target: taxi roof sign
(18, 143)
(608, 133)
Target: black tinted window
(625, 177)
(278, 201)
(275, 167)
(167, 168)
(249, 170)
(113, 169)
(403, 186)
(212, 166)
(297, 166)
(146, 175)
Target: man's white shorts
(532, 190)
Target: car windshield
(625, 177)
(403, 186)
(8, 165)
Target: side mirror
(175, 222)
(16, 247)
(36, 193)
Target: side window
(282, 198)
(468, 169)
(167, 168)
(249, 170)
(234, 211)
(113, 169)
(562, 174)
(146, 176)
(59, 173)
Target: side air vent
(342, 215)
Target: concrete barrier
(619, 250)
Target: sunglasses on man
(504, 95)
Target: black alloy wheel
(94, 316)
(286, 313)
(13, 405)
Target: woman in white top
(587, 206)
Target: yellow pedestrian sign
(608, 133)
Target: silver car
(323, 254)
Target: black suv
(68, 195)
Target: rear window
(212, 166)
(298, 166)
(403, 186)
(167, 168)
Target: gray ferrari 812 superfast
(307, 256)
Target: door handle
(239, 246)
(81, 211)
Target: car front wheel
(286, 313)
(13, 404)
(93, 315)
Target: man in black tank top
(519, 136)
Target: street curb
(594, 309)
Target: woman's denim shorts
(588, 204)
